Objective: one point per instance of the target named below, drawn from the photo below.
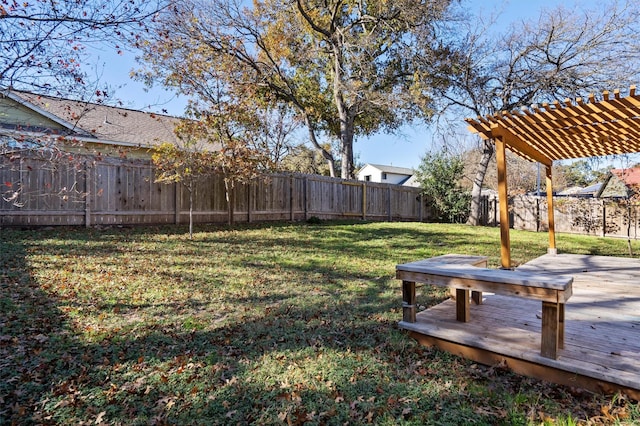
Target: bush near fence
(124, 192)
(576, 215)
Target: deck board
(602, 328)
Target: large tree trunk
(345, 113)
(314, 141)
(474, 212)
(229, 186)
(346, 150)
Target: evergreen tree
(439, 176)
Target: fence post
(389, 205)
(291, 212)
(87, 194)
(538, 220)
(249, 187)
(364, 201)
(604, 219)
(305, 185)
(420, 208)
(177, 202)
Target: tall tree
(42, 42)
(344, 67)
(565, 53)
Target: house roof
(566, 130)
(630, 177)
(572, 190)
(591, 189)
(102, 122)
(392, 169)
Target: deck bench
(464, 277)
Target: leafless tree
(566, 52)
(42, 42)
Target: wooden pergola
(559, 131)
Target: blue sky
(404, 150)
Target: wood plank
(526, 345)
(527, 368)
(513, 320)
(505, 288)
(572, 130)
(454, 259)
(505, 276)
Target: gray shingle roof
(109, 123)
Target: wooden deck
(602, 336)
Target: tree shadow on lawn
(50, 374)
(323, 363)
(323, 358)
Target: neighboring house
(577, 191)
(621, 183)
(387, 174)
(82, 127)
(571, 191)
(591, 190)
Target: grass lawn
(264, 324)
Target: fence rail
(39, 192)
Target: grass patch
(265, 324)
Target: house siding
(13, 115)
(380, 175)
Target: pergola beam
(568, 130)
(513, 141)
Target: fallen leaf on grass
(40, 338)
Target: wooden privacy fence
(40, 192)
(590, 216)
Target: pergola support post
(503, 198)
(552, 224)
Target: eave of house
(67, 125)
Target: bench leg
(476, 296)
(462, 305)
(551, 329)
(561, 325)
(408, 301)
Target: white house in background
(387, 174)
